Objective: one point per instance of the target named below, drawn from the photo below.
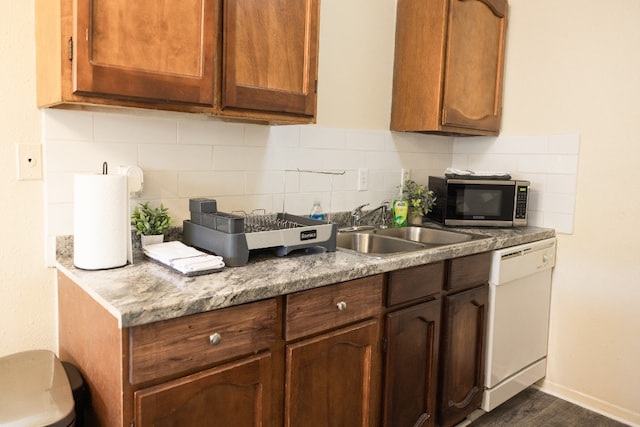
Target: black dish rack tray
(233, 236)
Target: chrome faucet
(357, 215)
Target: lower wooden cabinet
(330, 379)
(237, 394)
(332, 366)
(411, 365)
(311, 358)
(462, 354)
(434, 336)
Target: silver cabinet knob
(215, 339)
(342, 306)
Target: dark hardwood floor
(533, 408)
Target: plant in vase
(420, 200)
(150, 223)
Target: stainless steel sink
(388, 241)
(375, 244)
(429, 236)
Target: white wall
(571, 70)
(27, 293)
(573, 67)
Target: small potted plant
(150, 223)
(420, 200)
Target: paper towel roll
(100, 221)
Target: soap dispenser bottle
(400, 211)
(316, 211)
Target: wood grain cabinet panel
(472, 97)
(145, 49)
(329, 307)
(411, 365)
(270, 55)
(185, 343)
(469, 271)
(333, 365)
(411, 284)
(462, 355)
(331, 379)
(236, 395)
(448, 70)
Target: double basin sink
(389, 241)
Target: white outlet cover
(29, 159)
(363, 179)
(405, 174)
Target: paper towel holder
(135, 179)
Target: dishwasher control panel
(511, 263)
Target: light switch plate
(29, 159)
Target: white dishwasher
(518, 319)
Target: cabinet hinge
(70, 47)
(383, 345)
(316, 87)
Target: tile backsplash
(549, 162)
(247, 167)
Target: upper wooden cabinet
(246, 59)
(449, 60)
(145, 50)
(270, 55)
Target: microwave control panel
(522, 196)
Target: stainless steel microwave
(479, 202)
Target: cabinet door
(270, 55)
(411, 360)
(236, 394)
(474, 64)
(146, 49)
(331, 379)
(462, 355)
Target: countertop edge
(131, 293)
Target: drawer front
(325, 308)
(415, 283)
(469, 271)
(184, 344)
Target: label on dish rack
(308, 235)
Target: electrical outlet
(29, 162)
(363, 179)
(405, 175)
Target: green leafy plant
(419, 198)
(150, 221)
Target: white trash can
(35, 391)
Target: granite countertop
(145, 292)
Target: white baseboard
(589, 402)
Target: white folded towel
(464, 173)
(183, 258)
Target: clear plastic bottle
(400, 211)
(316, 211)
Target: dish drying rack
(234, 236)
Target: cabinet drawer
(187, 343)
(321, 309)
(469, 271)
(415, 283)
